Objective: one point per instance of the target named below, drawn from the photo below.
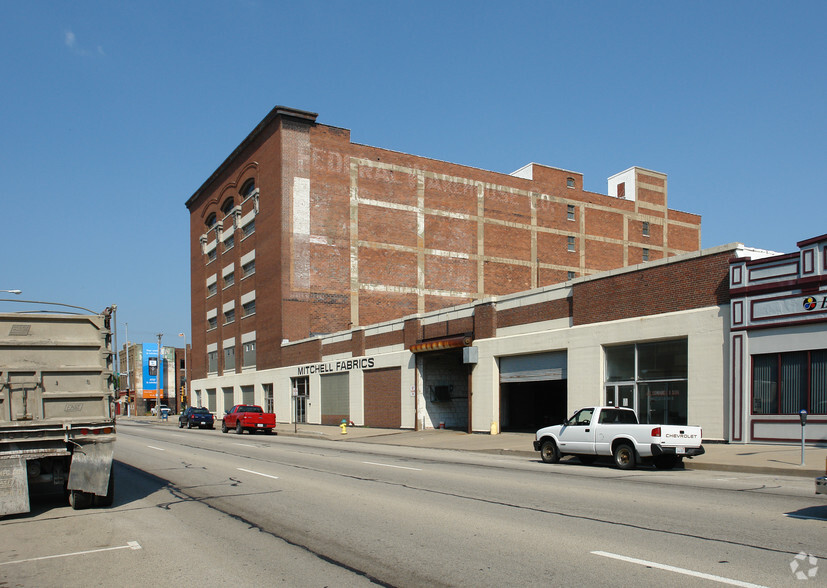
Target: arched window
(228, 205)
(211, 221)
(247, 189)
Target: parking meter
(802, 414)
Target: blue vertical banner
(153, 370)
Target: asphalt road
(200, 507)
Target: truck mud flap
(89, 471)
(14, 486)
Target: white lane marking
(156, 448)
(684, 571)
(257, 473)
(387, 465)
(244, 445)
(129, 545)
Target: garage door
(383, 398)
(335, 398)
(536, 367)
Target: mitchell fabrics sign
(342, 365)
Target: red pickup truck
(250, 417)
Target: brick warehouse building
(300, 232)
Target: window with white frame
(248, 308)
(645, 228)
(248, 269)
(570, 212)
(229, 279)
(229, 243)
(229, 316)
(570, 244)
(249, 228)
(212, 361)
(212, 289)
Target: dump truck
(57, 407)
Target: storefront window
(620, 363)
(784, 383)
(652, 378)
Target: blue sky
(115, 112)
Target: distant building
(139, 373)
(300, 233)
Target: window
(248, 269)
(655, 374)
(212, 323)
(248, 308)
(645, 254)
(570, 212)
(212, 361)
(229, 279)
(268, 398)
(247, 189)
(571, 276)
(645, 228)
(229, 316)
(249, 228)
(569, 182)
(227, 206)
(784, 383)
(212, 289)
(211, 221)
(211, 255)
(229, 359)
(250, 355)
(621, 190)
(570, 241)
(229, 243)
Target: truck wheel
(79, 500)
(110, 491)
(224, 428)
(239, 429)
(624, 455)
(549, 452)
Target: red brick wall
(695, 283)
(532, 313)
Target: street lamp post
(18, 292)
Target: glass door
(622, 395)
(301, 391)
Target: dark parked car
(196, 417)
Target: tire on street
(624, 455)
(549, 452)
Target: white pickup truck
(611, 431)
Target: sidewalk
(780, 459)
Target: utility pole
(128, 375)
(158, 381)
